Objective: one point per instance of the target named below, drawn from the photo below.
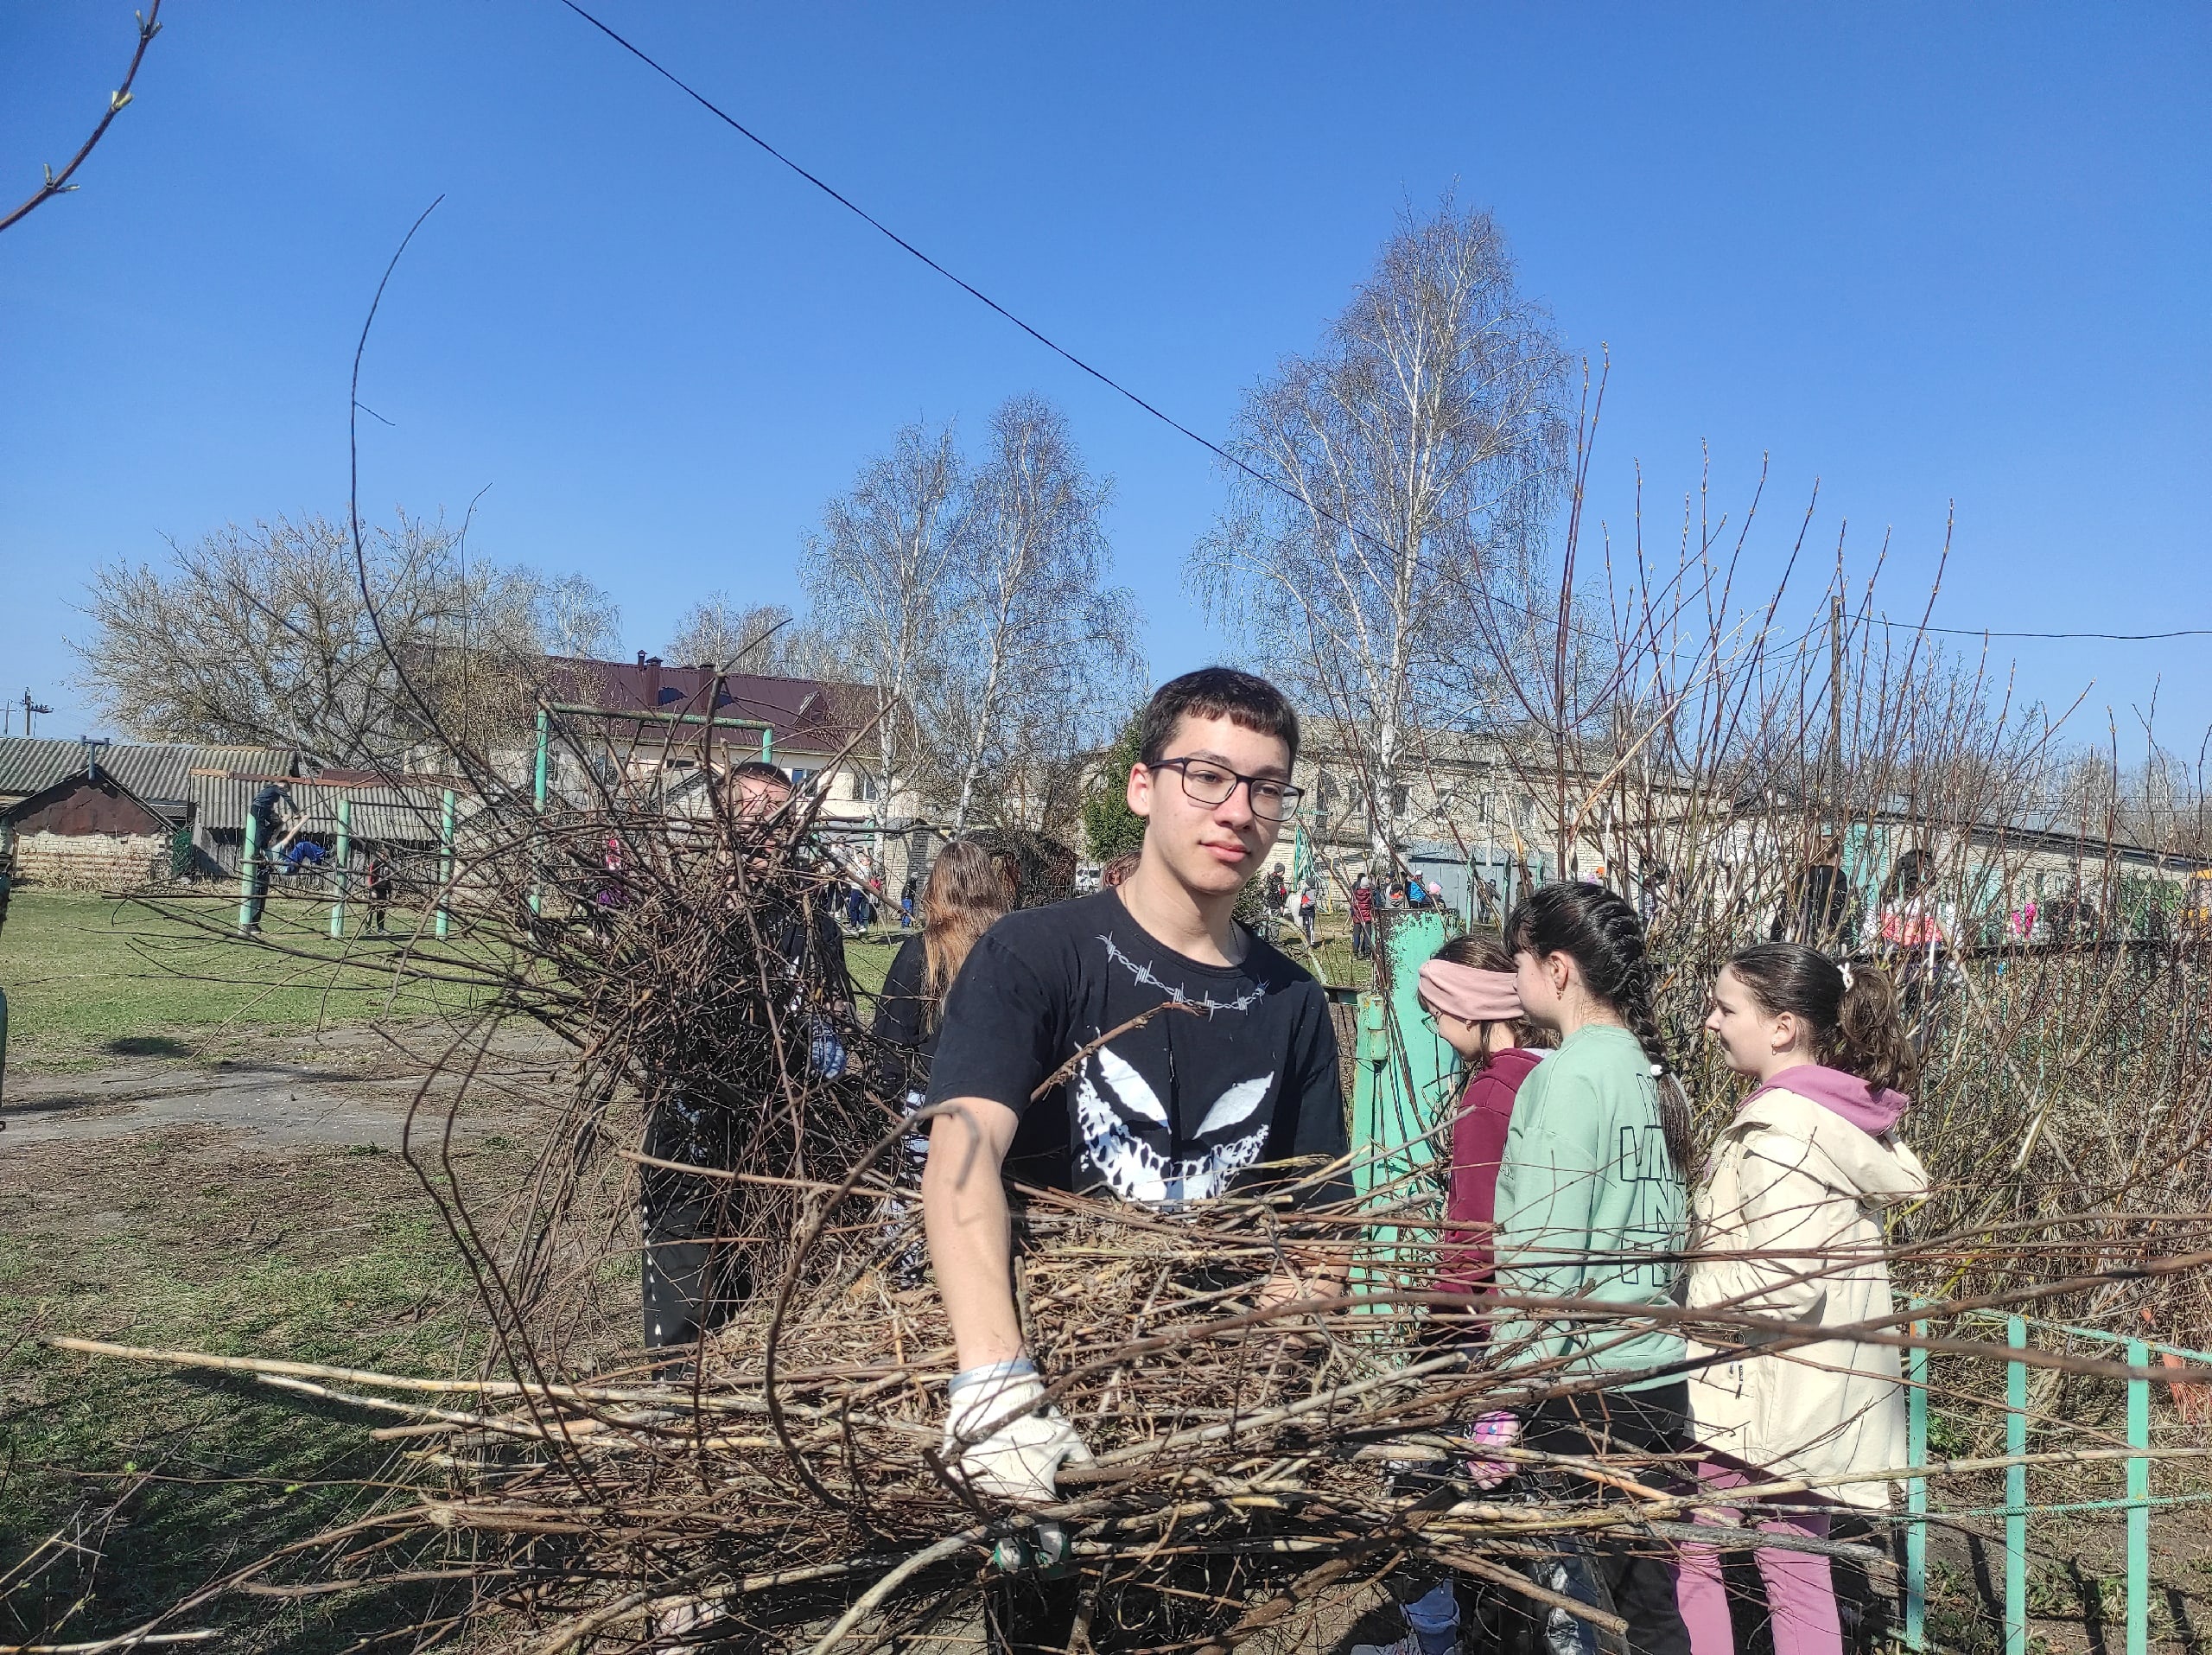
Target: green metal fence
(2136, 1500)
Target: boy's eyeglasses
(1207, 783)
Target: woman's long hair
(1481, 953)
(965, 894)
(1856, 1026)
(1599, 932)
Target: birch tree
(762, 639)
(1043, 649)
(1422, 443)
(880, 576)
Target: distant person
(1416, 896)
(1816, 906)
(302, 854)
(2071, 917)
(1435, 895)
(1307, 903)
(906, 903)
(1488, 903)
(378, 875)
(1362, 917)
(266, 817)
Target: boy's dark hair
(1243, 698)
(1599, 932)
(760, 770)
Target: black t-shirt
(1173, 1110)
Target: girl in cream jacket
(1788, 1225)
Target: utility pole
(30, 707)
(1835, 704)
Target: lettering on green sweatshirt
(1589, 1206)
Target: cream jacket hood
(1788, 1225)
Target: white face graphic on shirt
(1116, 1109)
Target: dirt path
(349, 1087)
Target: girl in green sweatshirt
(1590, 1208)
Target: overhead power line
(1117, 388)
(2115, 637)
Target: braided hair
(1600, 932)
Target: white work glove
(998, 1445)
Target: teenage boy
(1168, 1112)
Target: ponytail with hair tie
(1853, 1010)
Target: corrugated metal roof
(159, 772)
(412, 812)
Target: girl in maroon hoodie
(1468, 991)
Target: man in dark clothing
(266, 815)
(379, 882)
(1816, 910)
(693, 1284)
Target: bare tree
(878, 576)
(1045, 653)
(569, 616)
(1390, 473)
(762, 639)
(259, 636)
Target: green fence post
(538, 803)
(345, 853)
(2016, 1493)
(2138, 1505)
(1916, 1492)
(445, 864)
(252, 848)
(767, 745)
(1400, 1080)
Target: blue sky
(1921, 254)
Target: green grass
(324, 1258)
(84, 976)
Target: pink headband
(1471, 995)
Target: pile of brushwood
(1254, 1465)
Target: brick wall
(90, 861)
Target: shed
(88, 831)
